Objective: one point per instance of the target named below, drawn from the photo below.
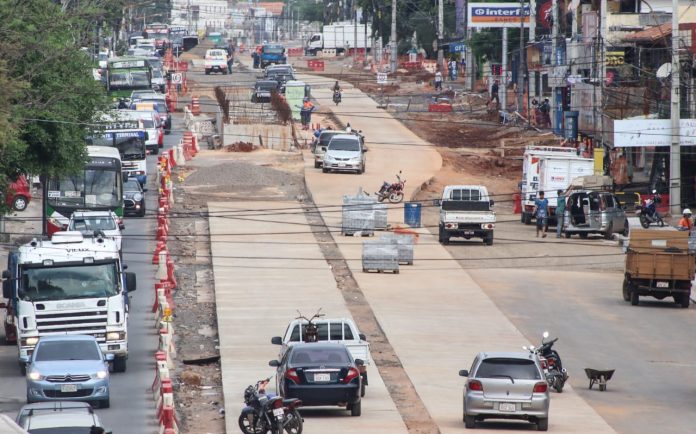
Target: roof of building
(275, 8)
(652, 34)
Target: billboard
(652, 132)
(496, 15)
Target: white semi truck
(339, 37)
(68, 285)
(549, 169)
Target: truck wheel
(685, 300)
(445, 238)
(626, 290)
(568, 234)
(207, 72)
(489, 239)
(362, 390)
(610, 231)
(22, 368)
(583, 235)
(317, 165)
(355, 409)
(120, 364)
(469, 422)
(634, 297)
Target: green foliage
(309, 10)
(46, 87)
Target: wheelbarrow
(600, 377)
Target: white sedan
(93, 223)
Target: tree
(46, 86)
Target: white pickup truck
(338, 330)
(215, 61)
(465, 211)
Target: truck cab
(465, 211)
(272, 54)
(68, 285)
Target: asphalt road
(132, 409)
(651, 346)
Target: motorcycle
(394, 191)
(337, 97)
(556, 375)
(267, 413)
(647, 211)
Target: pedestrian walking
(452, 66)
(494, 93)
(545, 109)
(560, 212)
(542, 215)
(230, 61)
(438, 80)
(306, 113)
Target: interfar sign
(635, 133)
(488, 15)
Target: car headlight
(115, 336)
(100, 375)
(30, 342)
(355, 159)
(35, 376)
(137, 197)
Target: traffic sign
(177, 78)
(381, 78)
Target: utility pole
(440, 32)
(355, 33)
(503, 72)
(554, 61)
(392, 39)
(520, 69)
(675, 109)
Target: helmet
(686, 211)
(305, 99)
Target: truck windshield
(74, 281)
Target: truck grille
(67, 378)
(73, 322)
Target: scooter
(394, 191)
(556, 375)
(266, 412)
(337, 97)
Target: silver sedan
(506, 385)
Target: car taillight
(541, 387)
(449, 225)
(278, 403)
(352, 374)
(475, 385)
(291, 375)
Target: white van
(215, 60)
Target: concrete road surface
(259, 286)
(436, 317)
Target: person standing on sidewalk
(560, 212)
(542, 215)
(438, 80)
(494, 93)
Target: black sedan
(133, 198)
(263, 89)
(320, 374)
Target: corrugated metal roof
(652, 34)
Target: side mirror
(277, 340)
(121, 226)
(130, 282)
(463, 373)
(492, 202)
(364, 150)
(359, 362)
(109, 357)
(144, 190)
(362, 336)
(274, 363)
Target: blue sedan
(68, 367)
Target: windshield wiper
(503, 376)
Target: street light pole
(440, 32)
(392, 39)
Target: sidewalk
(258, 294)
(435, 316)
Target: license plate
(66, 388)
(322, 378)
(662, 284)
(278, 413)
(506, 406)
(341, 164)
(468, 232)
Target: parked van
(594, 212)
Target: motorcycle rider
(686, 223)
(337, 92)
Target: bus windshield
(94, 188)
(126, 79)
(130, 145)
(76, 281)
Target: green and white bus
(126, 74)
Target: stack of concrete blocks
(380, 255)
(404, 244)
(380, 214)
(358, 215)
